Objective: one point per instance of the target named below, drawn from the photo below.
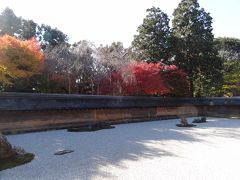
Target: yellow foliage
(19, 59)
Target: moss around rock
(12, 156)
(10, 163)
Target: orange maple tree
(19, 59)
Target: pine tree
(152, 42)
(9, 23)
(194, 50)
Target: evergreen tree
(229, 52)
(228, 48)
(24, 29)
(46, 35)
(28, 29)
(9, 23)
(12, 25)
(194, 50)
(152, 42)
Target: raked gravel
(150, 150)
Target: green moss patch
(10, 163)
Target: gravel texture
(150, 150)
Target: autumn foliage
(19, 59)
(146, 79)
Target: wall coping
(44, 101)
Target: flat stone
(92, 127)
(188, 125)
(62, 152)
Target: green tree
(10, 24)
(46, 35)
(152, 42)
(229, 52)
(228, 48)
(28, 29)
(194, 50)
(24, 29)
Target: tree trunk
(191, 87)
(69, 84)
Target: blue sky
(105, 21)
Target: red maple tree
(142, 78)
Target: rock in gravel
(62, 152)
(6, 150)
(202, 120)
(184, 123)
(91, 127)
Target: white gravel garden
(150, 150)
